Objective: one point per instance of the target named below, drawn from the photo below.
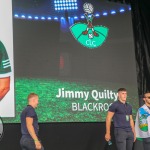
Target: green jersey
(5, 67)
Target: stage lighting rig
(61, 5)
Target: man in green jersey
(5, 70)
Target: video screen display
(75, 55)
(7, 100)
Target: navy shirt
(29, 112)
(121, 110)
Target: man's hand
(107, 137)
(108, 125)
(29, 124)
(134, 137)
(38, 145)
(132, 126)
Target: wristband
(36, 140)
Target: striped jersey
(5, 67)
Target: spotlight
(65, 5)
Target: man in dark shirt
(29, 125)
(121, 113)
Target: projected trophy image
(88, 35)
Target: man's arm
(108, 125)
(4, 86)
(132, 126)
(29, 123)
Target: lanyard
(126, 108)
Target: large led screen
(7, 102)
(74, 54)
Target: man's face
(36, 101)
(122, 95)
(147, 99)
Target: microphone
(109, 142)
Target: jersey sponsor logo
(143, 124)
(6, 63)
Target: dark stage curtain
(141, 28)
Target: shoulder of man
(30, 111)
(29, 108)
(115, 103)
(142, 107)
(113, 106)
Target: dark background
(62, 134)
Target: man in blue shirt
(29, 125)
(121, 113)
